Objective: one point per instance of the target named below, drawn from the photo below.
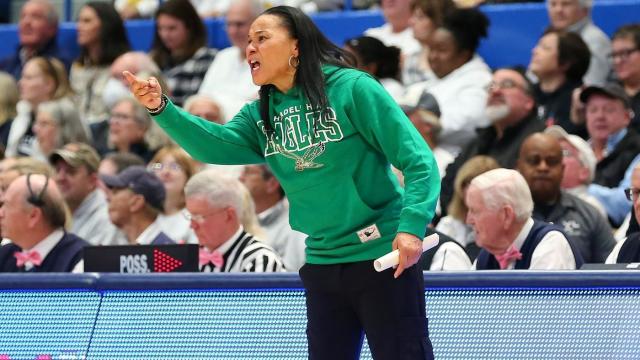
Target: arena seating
(515, 28)
(473, 315)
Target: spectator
(625, 54)
(461, 76)
(511, 110)
(37, 32)
(500, 208)
(102, 38)
(422, 109)
(12, 168)
(447, 255)
(136, 197)
(9, 97)
(426, 17)
(453, 224)
(42, 80)
(76, 174)
(205, 107)
(134, 9)
(559, 61)
(579, 166)
(379, 60)
(208, 8)
(57, 123)
(180, 48)
(214, 205)
(396, 30)
(540, 163)
(130, 130)
(174, 167)
(228, 80)
(575, 16)
(628, 250)
(273, 213)
(616, 146)
(114, 163)
(33, 216)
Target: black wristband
(160, 108)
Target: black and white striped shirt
(246, 254)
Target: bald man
(33, 215)
(540, 162)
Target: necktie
(214, 257)
(510, 255)
(23, 257)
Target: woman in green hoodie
(329, 133)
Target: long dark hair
(373, 51)
(187, 14)
(113, 37)
(314, 50)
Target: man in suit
(33, 215)
(500, 207)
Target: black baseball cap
(140, 181)
(610, 90)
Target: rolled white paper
(392, 258)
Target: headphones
(36, 199)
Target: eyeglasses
(631, 193)
(158, 166)
(199, 218)
(549, 160)
(622, 54)
(503, 85)
(120, 117)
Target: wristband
(160, 108)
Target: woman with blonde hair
(454, 223)
(9, 97)
(42, 80)
(174, 167)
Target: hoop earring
(295, 60)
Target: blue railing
(472, 315)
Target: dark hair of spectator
(184, 11)
(124, 160)
(436, 10)
(314, 50)
(373, 51)
(528, 89)
(467, 26)
(631, 31)
(573, 53)
(113, 37)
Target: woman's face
(124, 130)
(626, 59)
(172, 32)
(35, 86)
(172, 175)
(46, 130)
(444, 55)
(270, 47)
(88, 27)
(422, 25)
(544, 59)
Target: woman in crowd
(379, 60)
(42, 80)
(9, 97)
(102, 38)
(329, 132)
(454, 223)
(57, 123)
(180, 48)
(559, 61)
(174, 167)
(461, 76)
(426, 17)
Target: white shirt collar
(227, 244)
(149, 234)
(45, 246)
(522, 236)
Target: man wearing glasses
(511, 109)
(220, 210)
(628, 250)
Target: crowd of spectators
(540, 162)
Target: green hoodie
(341, 189)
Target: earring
(295, 60)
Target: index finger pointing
(131, 79)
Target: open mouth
(255, 65)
